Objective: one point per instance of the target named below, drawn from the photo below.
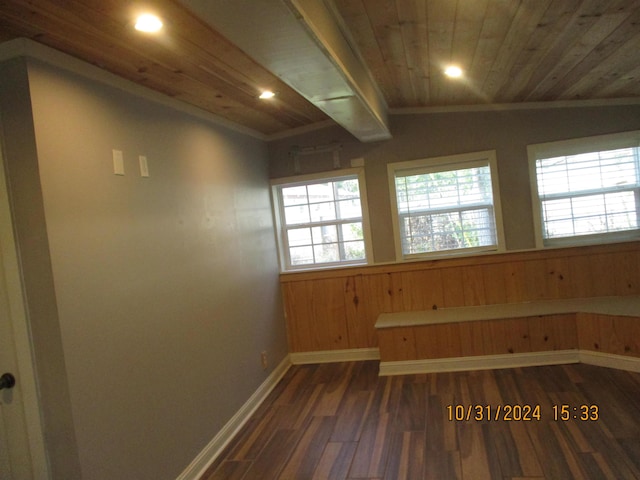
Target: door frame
(19, 323)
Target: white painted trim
(20, 342)
(624, 305)
(329, 356)
(575, 146)
(445, 163)
(493, 107)
(501, 107)
(610, 360)
(480, 362)
(207, 456)
(532, 359)
(279, 215)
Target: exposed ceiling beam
(304, 44)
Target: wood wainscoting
(333, 310)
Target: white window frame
(445, 163)
(576, 146)
(278, 210)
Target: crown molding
(498, 107)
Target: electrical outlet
(264, 359)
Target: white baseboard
(531, 359)
(207, 456)
(480, 362)
(329, 356)
(621, 362)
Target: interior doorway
(22, 450)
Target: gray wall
(419, 136)
(161, 292)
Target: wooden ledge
(619, 305)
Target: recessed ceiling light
(453, 71)
(148, 23)
(266, 94)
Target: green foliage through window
(445, 209)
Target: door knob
(7, 381)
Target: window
(587, 190)
(446, 204)
(321, 220)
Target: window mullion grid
(636, 196)
(440, 207)
(636, 157)
(341, 252)
(586, 193)
(298, 251)
(408, 213)
(458, 208)
(573, 217)
(406, 228)
(606, 207)
(566, 173)
(571, 197)
(455, 210)
(326, 223)
(313, 250)
(284, 227)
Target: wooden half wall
(336, 309)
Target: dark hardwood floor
(342, 421)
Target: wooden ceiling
(511, 51)
(189, 61)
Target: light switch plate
(144, 166)
(118, 162)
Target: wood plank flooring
(342, 421)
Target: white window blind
(589, 193)
(445, 207)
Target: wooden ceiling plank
(583, 17)
(139, 70)
(466, 37)
(191, 91)
(190, 37)
(623, 60)
(526, 67)
(46, 29)
(122, 41)
(626, 85)
(291, 105)
(608, 34)
(497, 20)
(524, 23)
(256, 120)
(592, 23)
(196, 41)
(441, 16)
(412, 16)
(383, 16)
(355, 17)
(7, 32)
(189, 45)
(512, 51)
